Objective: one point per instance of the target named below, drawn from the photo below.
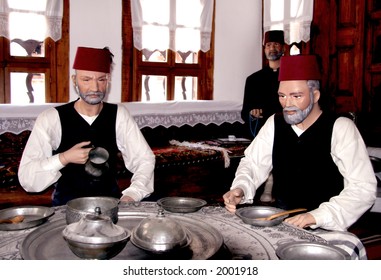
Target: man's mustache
(290, 108)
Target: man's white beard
(299, 115)
(92, 101)
(274, 56)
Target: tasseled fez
(92, 59)
(276, 36)
(299, 67)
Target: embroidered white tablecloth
(18, 118)
(242, 240)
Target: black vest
(75, 182)
(303, 170)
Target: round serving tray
(47, 243)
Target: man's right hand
(76, 154)
(232, 198)
(256, 113)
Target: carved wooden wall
(346, 35)
(337, 35)
(373, 58)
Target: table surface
(243, 241)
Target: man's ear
(316, 95)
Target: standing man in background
(261, 93)
(261, 88)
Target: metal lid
(95, 229)
(160, 234)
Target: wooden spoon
(13, 220)
(271, 217)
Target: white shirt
(349, 153)
(39, 169)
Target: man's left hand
(126, 198)
(302, 220)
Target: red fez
(91, 59)
(299, 67)
(276, 36)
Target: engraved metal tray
(47, 243)
(310, 251)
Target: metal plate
(33, 216)
(47, 243)
(181, 204)
(250, 214)
(310, 251)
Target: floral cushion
(11, 147)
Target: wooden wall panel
(347, 15)
(338, 38)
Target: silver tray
(33, 216)
(310, 251)
(47, 243)
(181, 204)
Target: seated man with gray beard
(318, 161)
(57, 152)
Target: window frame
(133, 68)
(55, 65)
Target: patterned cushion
(11, 147)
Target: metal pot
(79, 207)
(160, 234)
(95, 236)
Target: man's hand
(126, 198)
(256, 113)
(76, 154)
(302, 220)
(232, 198)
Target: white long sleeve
(39, 168)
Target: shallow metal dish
(33, 216)
(249, 215)
(310, 251)
(181, 204)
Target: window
(292, 16)
(34, 71)
(160, 75)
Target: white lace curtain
(35, 20)
(179, 25)
(292, 16)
